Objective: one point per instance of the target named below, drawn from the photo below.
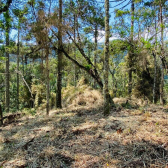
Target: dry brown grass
(83, 95)
(133, 101)
(80, 137)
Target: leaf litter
(81, 137)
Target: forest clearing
(83, 84)
(80, 136)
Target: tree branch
(25, 82)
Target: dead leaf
(119, 131)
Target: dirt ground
(81, 137)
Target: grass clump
(82, 95)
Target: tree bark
(75, 74)
(130, 56)
(154, 81)
(155, 65)
(59, 68)
(47, 82)
(7, 62)
(162, 56)
(106, 60)
(18, 52)
(95, 50)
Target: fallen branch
(11, 118)
(27, 143)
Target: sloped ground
(82, 137)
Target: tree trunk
(106, 60)
(162, 85)
(162, 56)
(130, 56)
(23, 64)
(75, 74)
(7, 62)
(59, 68)
(155, 65)
(95, 50)
(154, 81)
(47, 82)
(18, 52)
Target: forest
(83, 83)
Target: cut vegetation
(81, 137)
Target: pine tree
(59, 68)
(131, 51)
(106, 60)
(162, 55)
(7, 30)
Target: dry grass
(83, 95)
(80, 137)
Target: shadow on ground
(85, 138)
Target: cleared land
(83, 137)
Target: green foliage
(2, 25)
(39, 91)
(146, 43)
(88, 29)
(20, 13)
(118, 46)
(31, 2)
(41, 4)
(30, 111)
(88, 17)
(88, 67)
(120, 13)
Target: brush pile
(82, 95)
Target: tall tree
(18, 53)
(95, 49)
(75, 68)
(131, 51)
(162, 53)
(155, 62)
(59, 68)
(47, 79)
(44, 43)
(19, 14)
(106, 60)
(7, 30)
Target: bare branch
(24, 82)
